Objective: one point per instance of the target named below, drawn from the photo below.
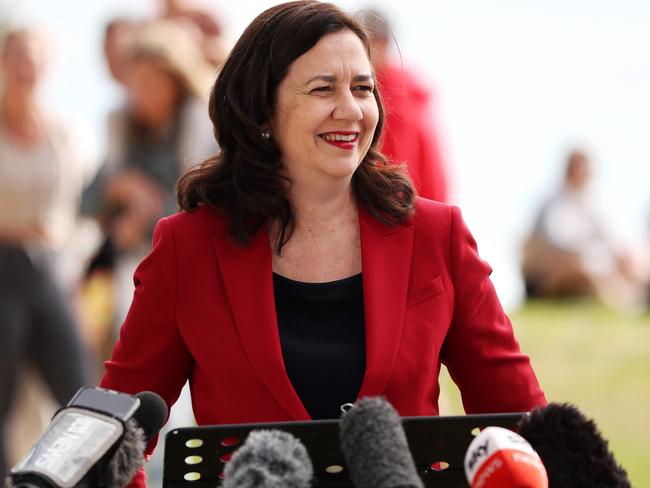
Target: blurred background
(519, 95)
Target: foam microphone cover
(572, 448)
(375, 447)
(269, 459)
(129, 456)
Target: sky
(517, 85)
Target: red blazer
(204, 309)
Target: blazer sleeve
(150, 353)
(480, 349)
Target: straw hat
(174, 48)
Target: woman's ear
(267, 131)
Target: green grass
(596, 359)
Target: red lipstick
(342, 139)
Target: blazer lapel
(248, 279)
(386, 262)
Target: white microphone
(500, 458)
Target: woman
(40, 186)
(163, 131)
(303, 273)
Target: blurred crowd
(59, 322)
(62, 323)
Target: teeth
(340, 137)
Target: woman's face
(153, 92)
(326, 113)
(23, 60)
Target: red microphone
(500, 458)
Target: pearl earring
(266, 134)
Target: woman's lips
(342, 139)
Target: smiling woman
(303, 273)
(325, 123)
(274, 68)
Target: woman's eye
(322, 89)
(364, 88)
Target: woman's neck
(21, 117)
(325, 243)
(318, 212)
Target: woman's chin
(341, 169)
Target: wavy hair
(245, 182)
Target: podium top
(195, 457)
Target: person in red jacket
(410, 134)
(303, 273)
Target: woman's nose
(347, 107)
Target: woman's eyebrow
(333, 78)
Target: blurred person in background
(40, 186)
(163, 130)
(95, 293)
(118, 34)
(411, 135)
(208, 27)
(570, 252)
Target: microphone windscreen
(375, 447)
(499, 458)
(151, 414)
(128, 458)
(572, 448)
(269, 459)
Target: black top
(322, 334)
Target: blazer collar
(248, 279)
(247, 274)
(386, 263)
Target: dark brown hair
(245, 181)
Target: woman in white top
(40, 185)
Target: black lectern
(195, 457)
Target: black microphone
(97, 440)
(572, 448)
(375, 447)
(269, 459)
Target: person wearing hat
(162, 131)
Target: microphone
(375, 448)
(97, 440)
(269, 459)
(129, 457)
(500, 458)
(572, 448)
